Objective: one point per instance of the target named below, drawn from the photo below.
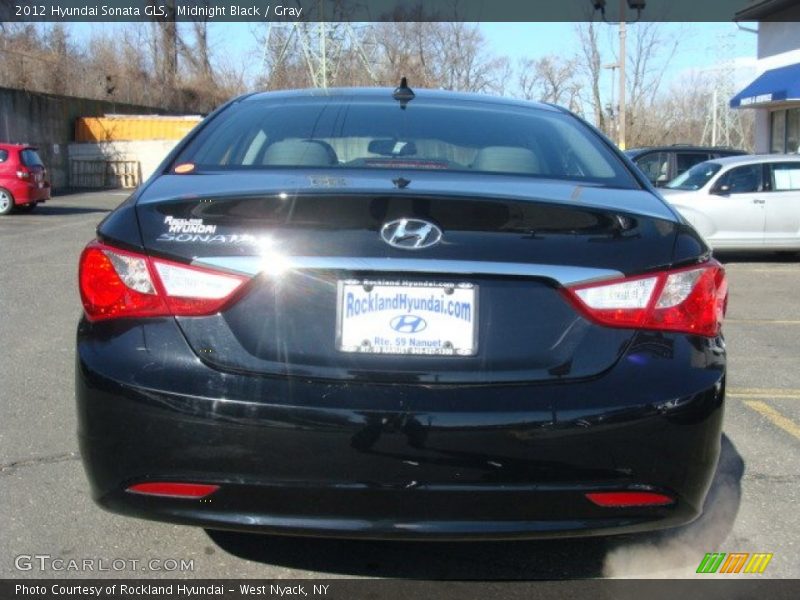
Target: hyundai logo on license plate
(408, 324)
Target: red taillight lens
(629, 499)
(688, 300)
(117, 283)
(23, 173)
(170, 489)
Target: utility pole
(613, 109)
(637, 5)
(622, 114)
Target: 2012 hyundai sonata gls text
(389, 314)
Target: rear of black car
(455, 317)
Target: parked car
(742, 202)
(662, 164)
(432, 315)
(23, 178)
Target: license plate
(401, 317)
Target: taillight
(23, 173)
(688, 300)
(117, 283)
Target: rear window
(785, 176)
(686, 160)
(436, 136)
(30, 158)
(655, 166)
(696, 177)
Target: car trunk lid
(507, 252)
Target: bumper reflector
(173, 489)
(625, 499)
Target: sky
(701, 45)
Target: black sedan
(387, 314)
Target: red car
(23, 178)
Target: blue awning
(771, 86)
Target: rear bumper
(310, 457)
(26, 192)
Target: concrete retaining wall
(48, 122)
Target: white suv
(742, 202)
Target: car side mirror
(722, 190)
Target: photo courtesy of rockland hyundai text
(443, 300)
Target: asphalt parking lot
(45, 508)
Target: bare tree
(198, 54)
(647, 60)
(461, 60)
(117, 69)
(431, 54)
(202, 84)
(164, 48)
(551, 79)
(23, 55)
(445, 55)
(406, 49)
(649, 53)
(590, 67)
(686, 115)
(317, 55)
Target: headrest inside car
(300, 153)
(506, 159)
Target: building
(775, 93)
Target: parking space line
(792, 269)
(764, 321)
(764, 396)
(34, 232)
(737, 390)
(763, 393)
(773, 415)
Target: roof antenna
(402, 93)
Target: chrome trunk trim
(274, 263)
